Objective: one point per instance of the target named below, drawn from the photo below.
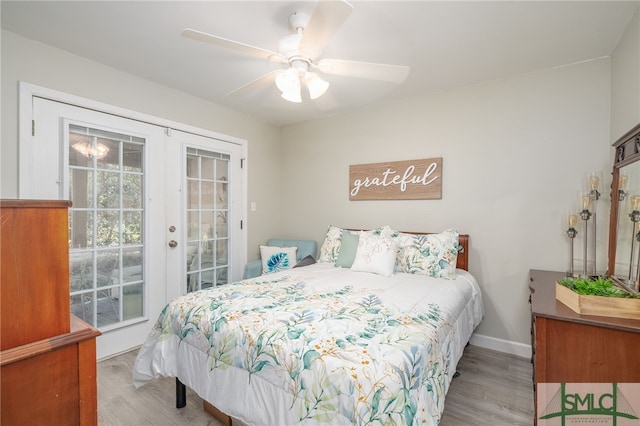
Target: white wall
(37, 63)
(515, 153)
(625, 80)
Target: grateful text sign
(397, 180)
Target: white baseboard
(500, 345)
(135, 348)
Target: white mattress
(344, 361)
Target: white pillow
(276, 259)
(376, 254)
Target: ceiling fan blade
(234, 45)
(326, 20)
(368, 70)
(255, 85)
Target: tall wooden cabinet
(47, 355)
(573, 348)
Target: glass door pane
(207, 208)
(106, 229)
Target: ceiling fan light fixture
(288, 82)
(301, 52)
(317, 86)
(292, 96)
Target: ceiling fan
(299, 53)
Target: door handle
(173, 243)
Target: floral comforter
(318, 345)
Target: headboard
(463, 252)
(463, 247)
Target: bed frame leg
(181, 394)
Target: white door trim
(28, 90)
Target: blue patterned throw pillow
(276, 259)
(278, 262)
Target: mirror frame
(627, 151)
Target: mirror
(624, 227)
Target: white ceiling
(447, 44)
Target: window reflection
(207, 218)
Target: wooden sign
(398, 180)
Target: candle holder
(637, 284)
(587, 210)
(571, 232)
(635, 218)
(585, 215)
(622, 187)
(594, 196)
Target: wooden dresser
(573, 348)
(47, 355)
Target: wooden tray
(598, 305)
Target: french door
(155, 213)
(206, 180)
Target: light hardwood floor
(493, 389)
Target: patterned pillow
(433, 254)
(331, 245)
(276, 259)
(387, 231)
(376, 254)
(330, 248)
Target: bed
(325, 344)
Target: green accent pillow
(348, 249)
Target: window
(207, 218)
(106, 187)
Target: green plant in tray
(596, 287)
